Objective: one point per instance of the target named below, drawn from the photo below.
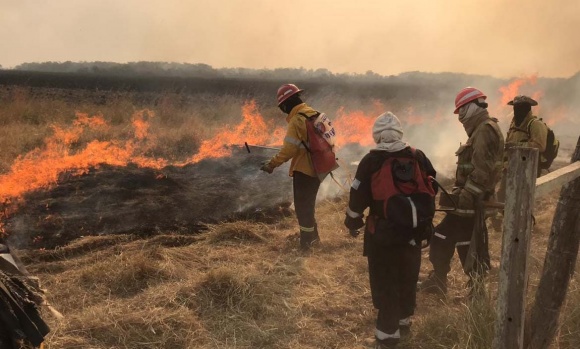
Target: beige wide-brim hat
(521, 99)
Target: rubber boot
(387, 343)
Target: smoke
(426, 111)
(482, 37)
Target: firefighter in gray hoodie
(392, 248)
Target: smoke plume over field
(182, 164)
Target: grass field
(240, 284)
(245, 285)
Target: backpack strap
(529, 128)
(492, 122)
(308, 117)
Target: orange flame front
(41, 168)
(354, 127)
(512, 89)
(253, 129)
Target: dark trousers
(305, 190)
(393, 274)
(453, 232)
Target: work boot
(307, 239)
(434, 284)
(388, 343)
(316, 238)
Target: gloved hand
(354, 233)
(353, 223)
(266, 167)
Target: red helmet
(286, 91)
(468, 94)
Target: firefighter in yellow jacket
(305, 181)
(479, 167)
(526, 129)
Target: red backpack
(408, 198)
(320, 144)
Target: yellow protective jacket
(294, 142)
(532, 132)
(479, 166)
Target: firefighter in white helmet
(305, 180)
(479, 167)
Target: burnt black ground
(144, 201)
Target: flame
(60, 154)
(42, 167)
(355, 127)
(253, 129)
(140, 124)
(512, 89)
(409, 117)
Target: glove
(354, 223)
(354, 233)
(266, 167)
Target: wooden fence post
(513, 273)
(558, 266)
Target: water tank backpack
(321, 136)
(408, 200)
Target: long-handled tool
(487, 204)
(258, 146)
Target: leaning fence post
(513, 272)
(558, 266)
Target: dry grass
(246, 285)
(179, 123)
(240, 284)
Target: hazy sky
(498, 37)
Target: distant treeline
(202, 78)
(200, 70)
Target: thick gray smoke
(439, 133)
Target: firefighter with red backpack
(394, 180)
(479, 168)
(308, 144)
